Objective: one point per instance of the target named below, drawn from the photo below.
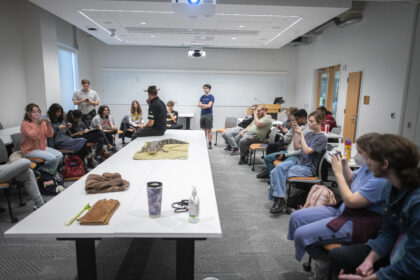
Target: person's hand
(40, 121)
(84, 131)
(337, 164)
(48, 121)
(69, 125)
(61, 127)
(297, 129)
(282, 128)
(280, 156)
(348, 276)
(167, 109)
(365, 269)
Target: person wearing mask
(86, 99)
(35, 130)
(394, 253)
(357, 219)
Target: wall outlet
(392, 115)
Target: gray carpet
(253, 245)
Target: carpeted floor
(253, 245)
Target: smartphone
(43, 117)
(87, 99)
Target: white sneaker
(59, 189)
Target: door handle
(353, 119)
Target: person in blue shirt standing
(206, 119)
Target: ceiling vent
(196, 53)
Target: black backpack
(48, 183)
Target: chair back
(4, 156)
(272, 134)
(231, 122)
(336, 130)
(1, 126)
(16, 140)
(321, 162)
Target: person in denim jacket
(398, 242)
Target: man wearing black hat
(156, 125)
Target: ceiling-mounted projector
(196, 53)
(194, 8)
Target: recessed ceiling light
(152, 36)
(143, 23)
(92, 29)
(233, 38)
(241, 26)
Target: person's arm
(351, 200)
(48, 130)
(258, 121)
(95, 100)
(303, 145)
(207, 106)
(296, 138)
(76, 100)
(245, 130)
(112, 124)
(131, 121)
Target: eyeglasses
(180, 206)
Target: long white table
(131, 220)
(188, 117)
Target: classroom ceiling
(263, 24)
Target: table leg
(86, 259)
(188, 122)
(185, 259)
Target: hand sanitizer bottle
(194, 206)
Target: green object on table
(87, 207)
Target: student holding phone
(35, 129)
(86, 99)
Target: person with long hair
(312, 145)
(363, 198)
(78, 129)
(394, 253)
(133, 120)
(329, 118)
(62, 136)
(105, 122)
(35, 130)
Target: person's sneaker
(242, 161)
(263, 175)
(278, 206)
(228, 148)
(321, 269)
(90, 163)
(210, 146)
(99, 159)
(105, 154)
(235, 152)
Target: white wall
(12, 69)
(379, 47)
(102, 55)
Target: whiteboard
(185, 87)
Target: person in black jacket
(156, 125)
(230, 133)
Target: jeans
(51, 156)
(281, 173)
(230, 134)
(20, 170)
(308, 228)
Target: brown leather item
(107, 182)
(101, 212)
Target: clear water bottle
(194, 206)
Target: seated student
(284, 128)
(62, 136)
(78, 129)
(230, 133)
(313, 145)
(105, 122)
(394, 253)
(363, 198)
(133, 120)
(298, 118)
(255, 132)
(35, 130)
(172, 116)
(21, 171)
(156, 126)
(329, 119)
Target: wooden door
(352, 105)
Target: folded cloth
(107, 182)
(100, 213)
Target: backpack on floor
(320, 196)
(73, 167)
(49, 184)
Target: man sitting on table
(172, 117)
(156, 125)
(230, 133)
(255, 132)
